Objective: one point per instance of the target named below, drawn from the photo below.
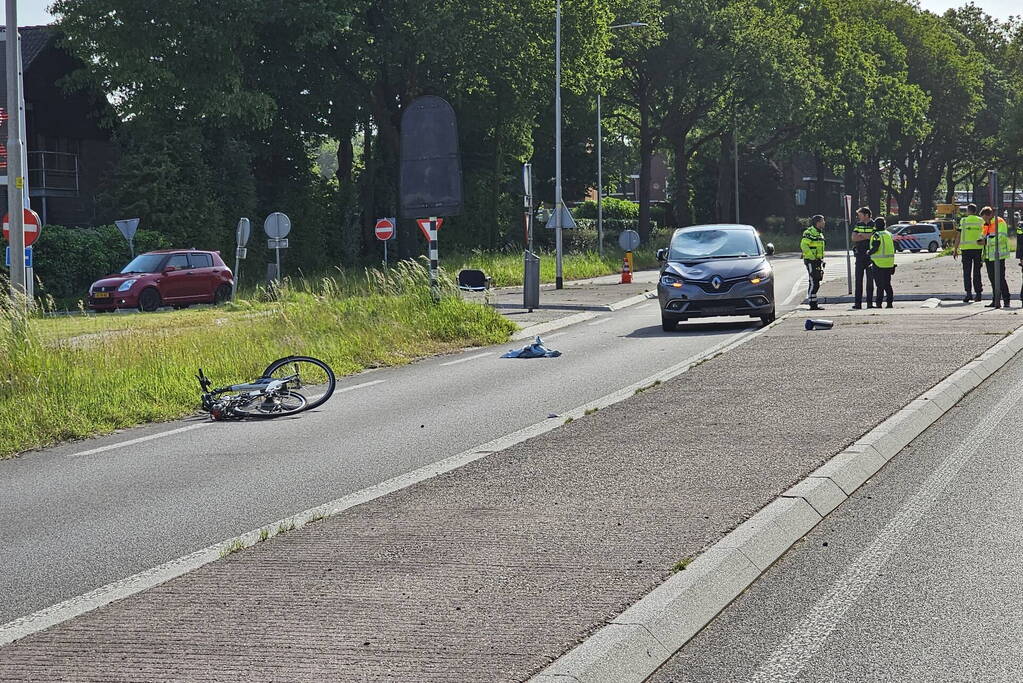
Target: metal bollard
(531, 281)
(818, 324)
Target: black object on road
(534, 350)
(818, 324)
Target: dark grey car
(712, 270)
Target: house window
(800, 197)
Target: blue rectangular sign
(28, 257)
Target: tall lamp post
(600, 155)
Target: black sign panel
(431, 168)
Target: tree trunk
(820, 202)
(724, 209)
(646, 157)
(788, 188)
(928, 186)
(369, 183)
(950, 182)
(682, 208)
(351, 244)
(873, 173)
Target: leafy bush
(619, 209)
(68, 260)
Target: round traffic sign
(628, 240)
(32, 227)
(384, 229)
(277, 226)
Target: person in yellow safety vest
(812, 246)
(967, 241)
(882, 254)
(995, 241)
(861, 234)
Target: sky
(32, 12)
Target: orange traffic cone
(626, 271)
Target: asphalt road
(83, 515)
(915, 578)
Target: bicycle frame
(262, 389)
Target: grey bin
(531, 281)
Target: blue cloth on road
(534, 350)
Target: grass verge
(69, 378)
(506, 268)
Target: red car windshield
(145, 263)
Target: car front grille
(725, 285)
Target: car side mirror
(662, 255)
(769, 249)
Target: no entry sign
(385, 229)
(32, 227)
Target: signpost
(847, 201)
(242, 234)
(17, 187)
(385, 232)
(628, 240)
(32, 226)
(277, 226)
(431, 171)
(128, 228)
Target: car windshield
(146, 263)
(713, 243)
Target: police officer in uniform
(812, 246)
(996, 249)
(969, 243)
(861, 234)
(882, 255)
(1019, 247)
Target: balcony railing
(52, 174)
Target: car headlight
(762, 275)
(672, 281)
(126, 285)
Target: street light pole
(600, 179)
(600, 155)
(15, 170)
(559, 281)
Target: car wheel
(932, 247)
(769, 318)
(223, 294)
(149, 300)
(669, 324)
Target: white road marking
(141, 439)
(600, 321)
(359, 386)
(465, 360)
(798, 287)
(809, 636)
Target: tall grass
(69, 378)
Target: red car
(171, 277)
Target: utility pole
(559, 280)
(15, 170)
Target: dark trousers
(815, 273)
(863, 276)
(883, 282)
(971, 272)
(1003, 290)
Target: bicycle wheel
(311, 376)
(277, 404)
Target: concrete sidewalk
(940, 277)
(563, 307)
(492, 571)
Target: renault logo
(716, 282)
